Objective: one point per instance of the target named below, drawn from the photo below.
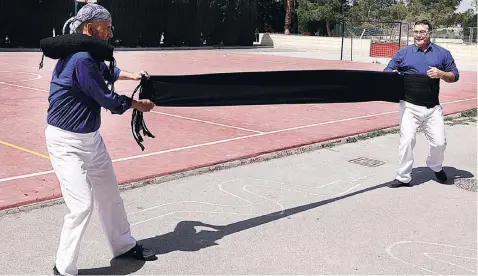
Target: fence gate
(369, 40)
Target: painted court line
(21, 86)
(204, 144)
(26, 176)
(206, 122)
(37, 76)
(20, 65)
(23, 149)
(231, 139)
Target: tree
(371, 10)
(320, 10)
(289, 13)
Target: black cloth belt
(253, 88)
(421, 90)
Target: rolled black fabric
(65, 45)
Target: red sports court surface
(186, 138)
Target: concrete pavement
(322, 212)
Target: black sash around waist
(421, 90)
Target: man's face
(421, 35)
(102, 30)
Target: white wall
(465, 55)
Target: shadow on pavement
(422, 175)
(185, 238)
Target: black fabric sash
(273, 87)
(421, 90)
(248, 88)
(266, 88)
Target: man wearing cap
(78, 154)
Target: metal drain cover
(364, 161)
(468, 184)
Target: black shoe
(397, 183)
(139, 253)
(55, 271)
(441, 176)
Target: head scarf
(89, 12)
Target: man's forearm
(125, 75)
(448, 76)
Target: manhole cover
(364, 161)
(468, 184)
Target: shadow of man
(186, 237)
(117, 267)
(422, 175)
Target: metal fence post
(343, 37)
(400, 36)
(351, 47)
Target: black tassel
(41, 62)
(137, 120)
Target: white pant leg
(411, 117)
(68, 155)
(434, 128)
(107, 197)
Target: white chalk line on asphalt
(390, 248)
(220, 186)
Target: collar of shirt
(429, 48)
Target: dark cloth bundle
(66, 45)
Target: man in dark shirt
(421, 106)
(78, 154)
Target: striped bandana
(89, 12)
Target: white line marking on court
(206, 122)
(459, 101)
(37, 76)
(21, 86)
(249, 136)
(232, 139)
(14, 64)
(25, 176)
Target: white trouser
(432, 122)
(85, 172)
